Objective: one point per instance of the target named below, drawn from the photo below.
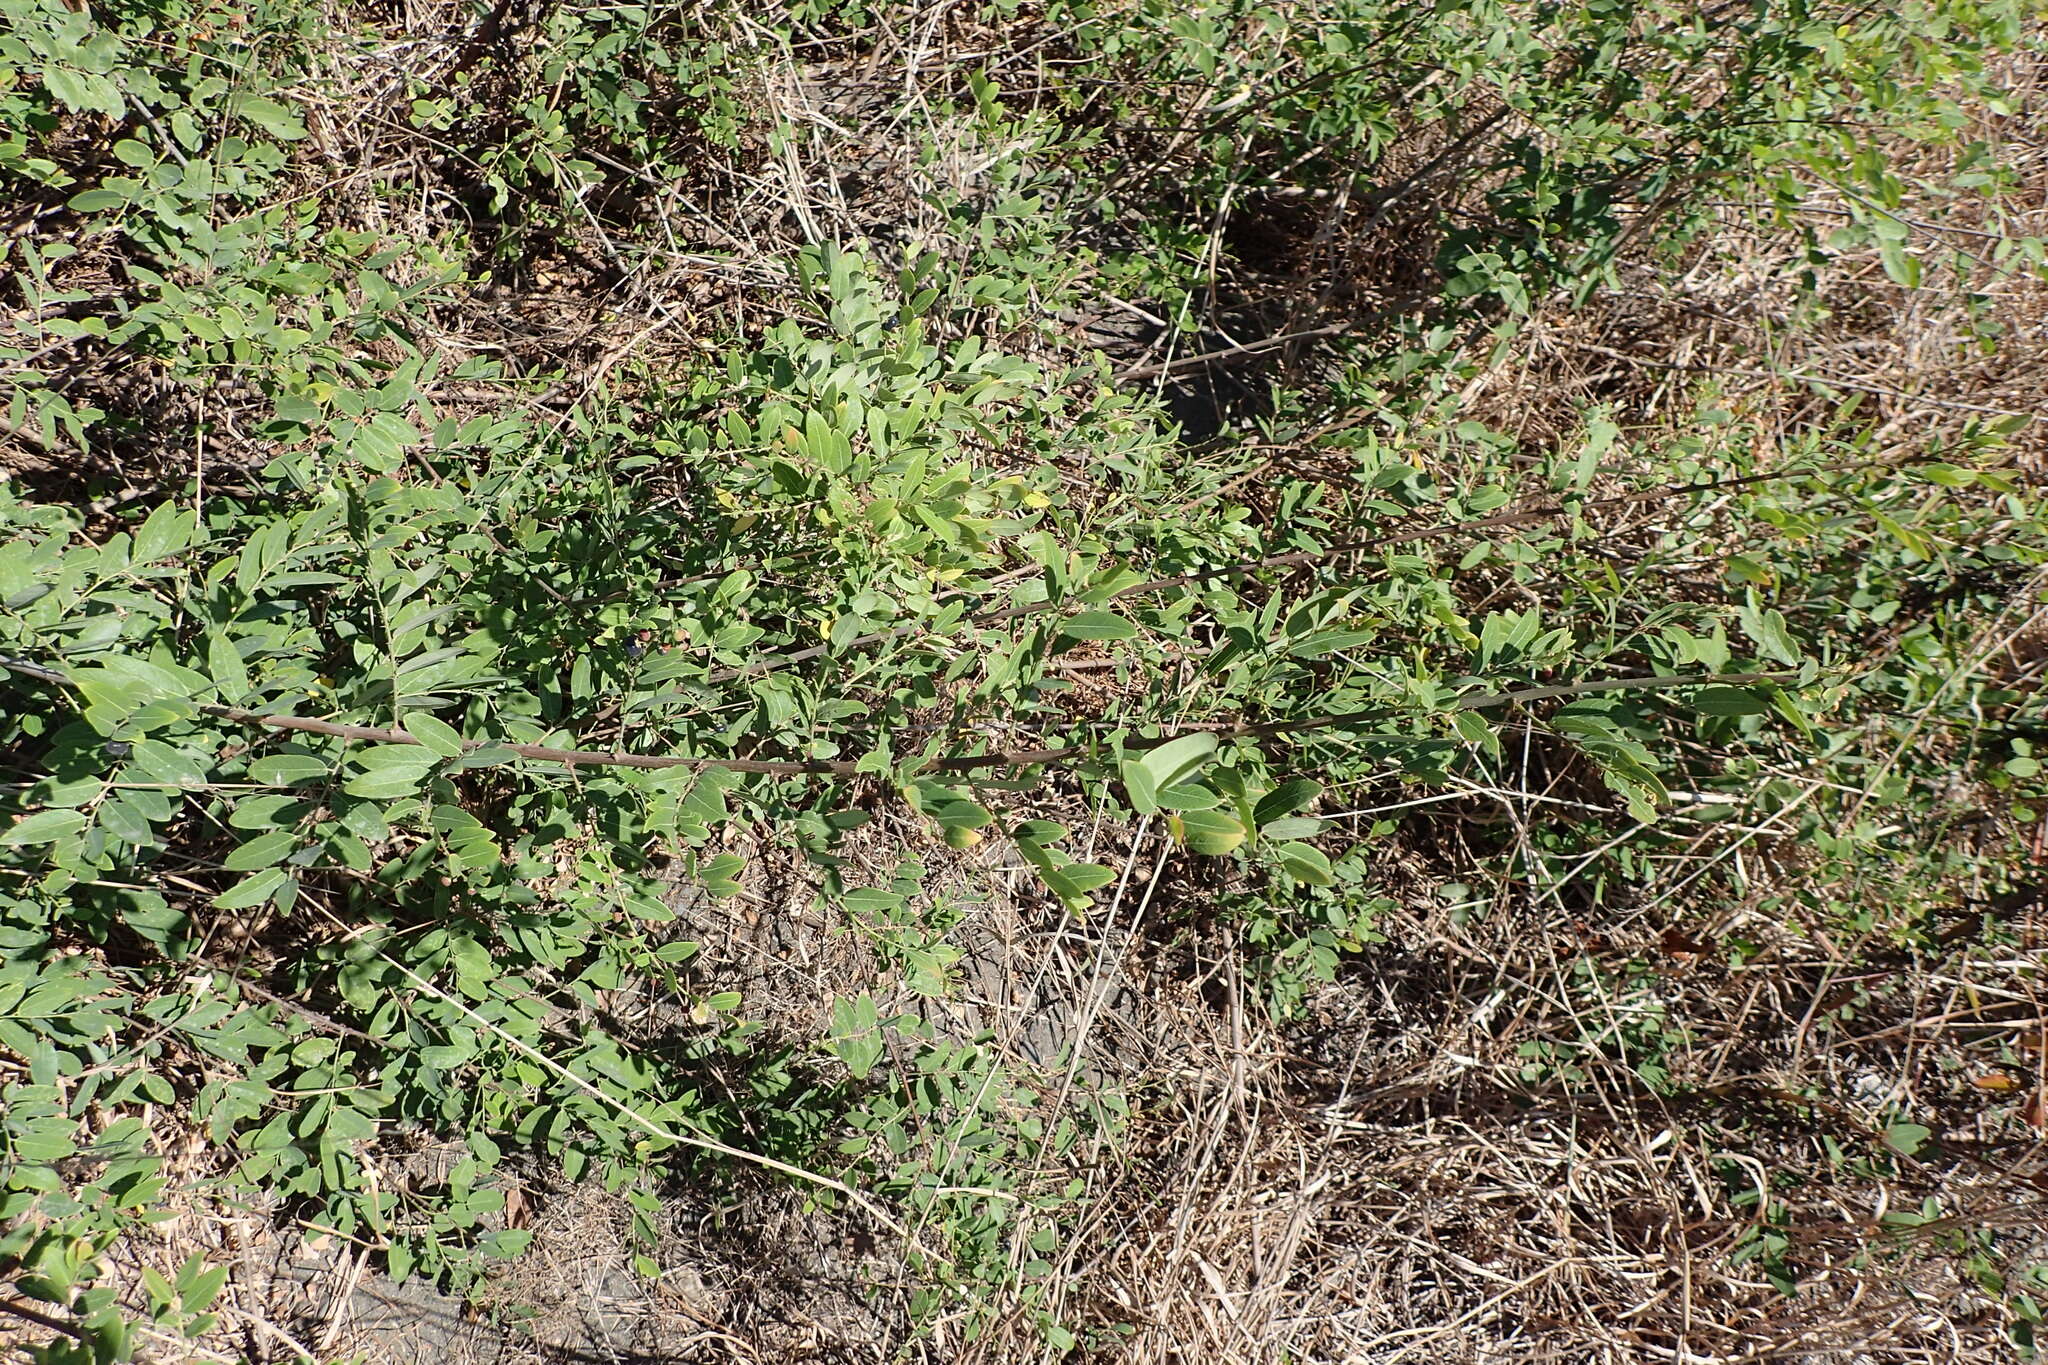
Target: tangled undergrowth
(998, 682)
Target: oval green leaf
(44, 827)
(435, 735)
(1211, 832)
(1097, 625)
(265, 850)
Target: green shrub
(444, 704)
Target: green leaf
(1305, 864)
(81, 91)
(265, 850)
(96, 201)
(454, 820)
(960, 818)
(1899, 264)
(272, 117)
(1907, 1138)
(720, 875)
(472, 959)
(258, 814)
(380, 757)
(1211, 832)
(126, 823)
(1729, 701)
(1330, 642)
(230, 674)
(1138, 785)
(167, 531)
(385, 783)
(1097, 625)
(506, 1243)
(1285, 799)
(284, 770)
(253, 889)
(1293, 827)
(201, 1290)
(1766, 628)
(1086, 877)
(1189, 796)
(437, 736)
(1072, 882)
(857, 1034)
(448, 1056)
(1178, 759)
(390, 770)
(44, 827)
(123, 683)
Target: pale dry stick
(1526, 814)
(1822, 783)
(1433, 1333)
(1606, 997)
(1466, 788)
(1519, 815)
(1233, 1315)
(1214, 253)
(2021, 997)
(1529, 990)
(1242, 1101)
(1178, 1253)
(915, 57)
(967, 1113)
(1098, 989)
(262, 1324)
(1135, 311)
(1398, 805)
(795, 198)
(177, 1346)
(1017, 1025)
(1270, 1273)
(1794, 804)
(1159, 369)
(1968, 670)
(1817, 380)
(337, 1310)
(640, 1120)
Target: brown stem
(968, 763)
(28, 1314)
(1435, 531)
(1188, 362)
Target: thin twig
(49, 445)
(1433, 531)
(10, 664)
(967, 763)
(1188, 362)
(1824, 381)
(27, 1314)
